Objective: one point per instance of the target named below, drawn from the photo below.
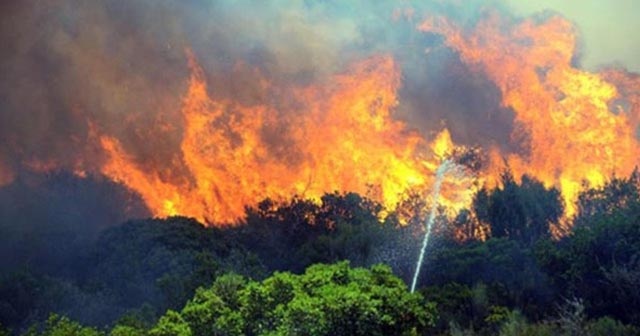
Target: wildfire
(342, 138)
(217, 154)
(564, 113)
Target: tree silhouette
(523, 212)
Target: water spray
(440, 174)
(468, 159)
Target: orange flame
(341, 134)
(571, 134)
(343, 138)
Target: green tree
(295, 234)
(619, 196)
(455, 304)
(606, 326)
(171, 324)
(325, 300)
(523, 212)
(124, 330)
(505, 268)
(599, 261)
(58, 325)
(214, 311)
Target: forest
(250, 167)
(335, 267)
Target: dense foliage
(280, 272)
(522, 212)
(325, 300)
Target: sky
(610, 28)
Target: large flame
(342, 138)
(563, 113)
(281, 129)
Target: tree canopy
(284, 271)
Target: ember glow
(216, 107)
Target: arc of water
(440, 175)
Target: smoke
(604, 28)
(70, 63)
(120, 66)
(75, 72)
(47, 219)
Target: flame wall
(204, 108)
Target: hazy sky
(610, 28)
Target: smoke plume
(204, 107)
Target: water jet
(446, 166)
